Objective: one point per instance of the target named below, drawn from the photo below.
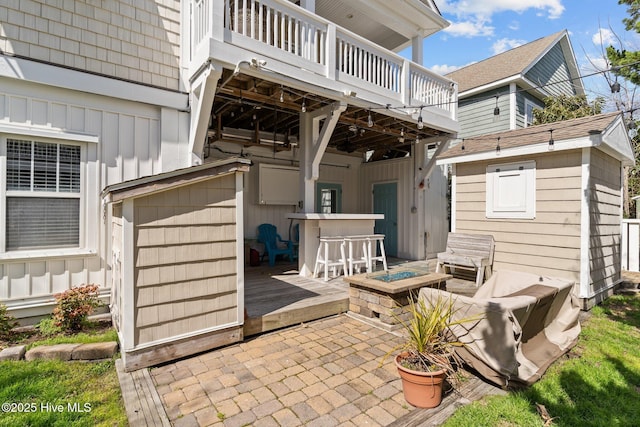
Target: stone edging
(65, 352)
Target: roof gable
(514, 64)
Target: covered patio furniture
(274, 244)
(522, 323)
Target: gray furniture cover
(522, 323)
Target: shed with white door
(551, 196)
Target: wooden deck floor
(277, 297)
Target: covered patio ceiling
(255, 112)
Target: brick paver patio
(324, 373)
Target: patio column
(316, 128)
(313, 143)
(417, 55)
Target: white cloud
(444, 69)
(594, 64)
(604, 37)
(469, 29)
(514, 26)
(486, 8)
(503, 45)
(474, 16)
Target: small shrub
(73, 307)
(48, 327)
(7, 322)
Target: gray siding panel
(476, 114)
(552, 72)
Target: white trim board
(52, 75)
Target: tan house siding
(548, 244)
(605, 216)
(137, 41)
(185, 260)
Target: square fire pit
(385, 295)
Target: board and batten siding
(605, 217)
(185, 260)
(129, 144)
(334, 169)
(550, 243)
(135, 41)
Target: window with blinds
(42, 195)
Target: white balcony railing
(280, 29)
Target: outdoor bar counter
(315, 225)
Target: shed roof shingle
(563, 130)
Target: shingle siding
(137, 41)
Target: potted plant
(427, 356)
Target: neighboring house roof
(512, 65)
(604, 131)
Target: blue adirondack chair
(273, 243)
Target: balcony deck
(301, 48)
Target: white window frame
(526, 172)
(4, 193)
(528, 104)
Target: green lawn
(596, 384)
(56, 393)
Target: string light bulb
(281, 94)
(420, 122)
(304, 105)
(615, 86)
(462, 147)
(498, 147)
(496, 111)
(551, 141)
(370, 120)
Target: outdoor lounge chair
(273, 243)
(522, 323)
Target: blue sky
(483, 28)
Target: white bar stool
(328, 256)
(372, 252)
(357, 257)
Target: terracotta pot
(421, 389)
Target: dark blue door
(385, 201)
